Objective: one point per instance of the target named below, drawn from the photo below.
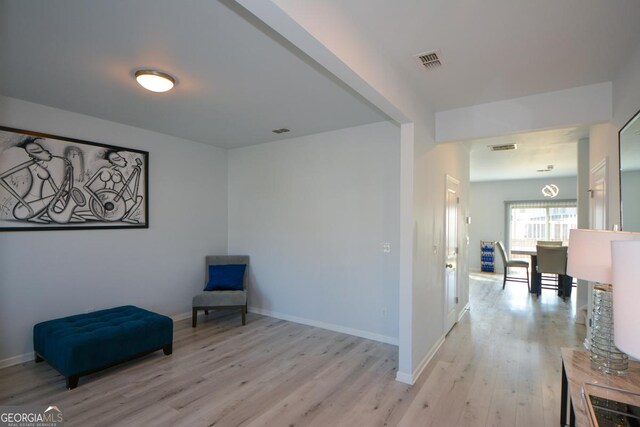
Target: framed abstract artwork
(49, 182)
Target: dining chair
(548, 243)
(510, 263)
(552, 262)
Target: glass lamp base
(605, 356)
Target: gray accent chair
(222, 300)
(510, 263)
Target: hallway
(501, 364)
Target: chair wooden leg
(206, 312)
(194, 317)
(504, 280)
(528, 282)
(244, 316)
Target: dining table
(565, 282)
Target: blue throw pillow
(227, 277)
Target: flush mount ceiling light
(155, 81)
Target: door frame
(456, 187)
(598, 173)
(602, 169)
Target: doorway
(598, 194)
(452, 201)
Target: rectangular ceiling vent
(504, 147)
(281, 130)
(429, 60)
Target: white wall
(312, 213)
(626, 90)
(569, 107)
(582, 290)
(48, 274)
(432, 164)
(603, 144)
(631, 197)
(488, 208)
(344, 52)
(626, 103)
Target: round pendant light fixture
(550, 190)
(155, 81)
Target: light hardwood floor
(499, 366)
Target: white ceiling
(535, 150)
(491, 49)
(494, 50)
(237, 79)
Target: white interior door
(451, 253)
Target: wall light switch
(386, 248)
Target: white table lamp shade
(626, 296)
(589, 256)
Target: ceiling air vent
(429, 60)
(281, 130)
(504, 147)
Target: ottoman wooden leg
(168, 349)
(72, 382)
(38, 358)
(194, 318)
(244, 316)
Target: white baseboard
(407, 378)
(181, 316)
(411, 379)
(324, 325)
(403, 377)
(464, 311)
(21, 358)
(16, 360)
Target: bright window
(543, 220)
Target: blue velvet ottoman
(85, 343)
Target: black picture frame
(51, 182)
